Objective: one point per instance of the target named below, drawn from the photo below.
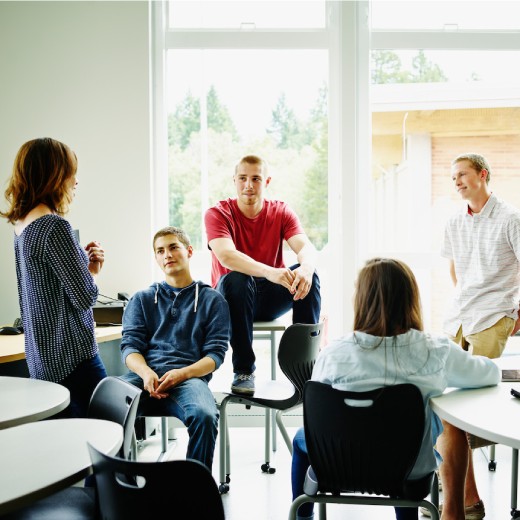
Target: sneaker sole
(243, 391)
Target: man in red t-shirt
(246, 236)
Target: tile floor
(254, 495)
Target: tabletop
(490, 412)
(25, 400)
(12, 348)
(41, 458)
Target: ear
(190, 251)
(267, 181)
(483, 174)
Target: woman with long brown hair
(55, 275)
(389, 347)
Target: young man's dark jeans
(253, 299)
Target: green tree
(386, 68)
(184, 121)
(285, 127)
(219, 118)
(425, 71)
(186, 118)
(314, 201)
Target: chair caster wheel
(492, 466)
(228, 479)
(266, 468)
(223, 489)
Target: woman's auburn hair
(41, 170)
(387, 300)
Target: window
(428, 106)
(224, 103)
(444, 81)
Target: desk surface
(12, 348)
(491, 412)
(38, 459)
(25, 400)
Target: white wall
(79, 72)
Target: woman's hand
(96, 257)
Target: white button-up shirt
(485, 248)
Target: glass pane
(465, 102)
(247, 15)
(436, 15)
(224, 104)
(473, 67)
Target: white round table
(25, 400)
(40, 458)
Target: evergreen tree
(284, 126)
(186, 118)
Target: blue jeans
(193, 403)
(81, 384)
(300, 464)
(257, 299)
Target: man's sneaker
(475, 512)
(243, 384)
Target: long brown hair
(40, 173)
(387, 300)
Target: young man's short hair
(254, 160)
(478, 162)
(172, 230)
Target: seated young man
(175, 334)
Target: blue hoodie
(176, 330)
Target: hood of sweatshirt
(172, 292)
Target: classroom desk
(12, 348)
(24, 400)
(491, 413)
(41, 458)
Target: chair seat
(280, 395)
(74, 503)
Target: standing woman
(55, 275)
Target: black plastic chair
(183, 486)
(116, 400)
(299, 347)
(364, 442)
(113, 400)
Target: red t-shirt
(261, 237)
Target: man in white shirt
(483, 246)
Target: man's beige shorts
(489, 342)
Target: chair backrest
(297, 353)
(185, 486)
(365, 441)
(116, 400)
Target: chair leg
(273, 377)
(266, 467)
(297, 502)
(224, 449)
(434, 495)
(323, 511)
(133, 447)
(514, 483)
(283, 431)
